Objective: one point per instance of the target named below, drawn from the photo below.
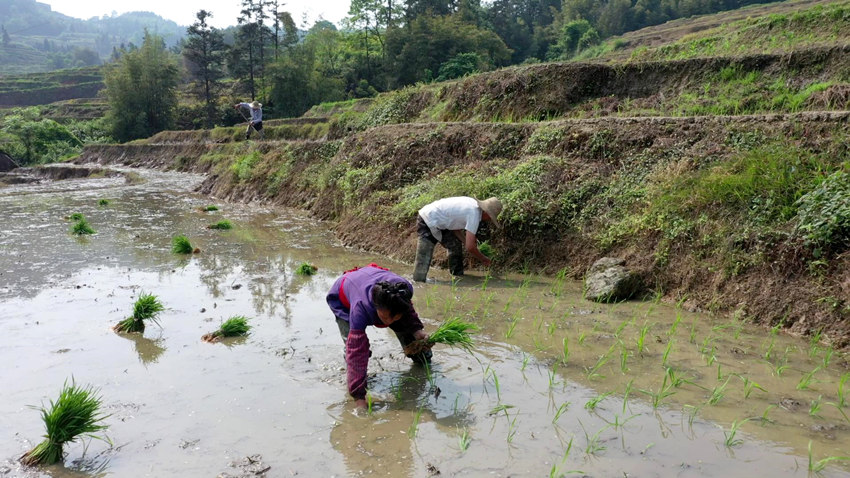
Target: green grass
(82, 228)
(222, 225)
(76, 413)
(306, 269)
(146, 307)
(181, 245)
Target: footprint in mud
(790, 404)
(827, 430)
(246, 467)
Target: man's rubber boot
(455, 248)
(424, 253)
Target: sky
(183, 11)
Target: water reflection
(148, 350)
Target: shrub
(823, 214)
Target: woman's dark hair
(392, 296)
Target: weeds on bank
(75, 414)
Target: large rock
(608, 280)
(6, 163)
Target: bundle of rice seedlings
(103, 202)
(210, 208)
(306, 269)
(454, 332)
(181, 245)
(235, 326)
(75, 414)
(221, 225)
(147, 307)
(76, 216)
(486, 249)
(82, 227)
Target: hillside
(721, 180)
(41, 40)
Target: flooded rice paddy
(557, 386)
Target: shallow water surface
(556, 386)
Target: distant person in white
(453, 222)
(256, 121)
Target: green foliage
(142, 91)
(823, 214)
(306, 269)
(181, 245)
(32, 140)
(575, 36)
(76, 413)
(242, 168)
(82, 227)
(221, 225)
(460, 65)
(103, 202)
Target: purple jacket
(361, 313)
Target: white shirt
(453, 214)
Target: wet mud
(557, 386)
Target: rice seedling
(768, 353)
(553, 376)
(502, 408)
(463, 439)
(510, 332)
(103, 202)
(565, 351)
(692, 412)
(75, 414)
(621, 327)
(827, 356)
(626, 394)
(454, 332)
(593, 372)
(555, 471)
(820, 465)
(82, 227)
(594, 445)
(778, 369)
(708, 354)
(222, 225)
(624, 359)
(718, 392)
(487, 277)
(512, 428)
(496, 384)
(764, 416)
(677, 381)
(306, 269)
(641, 339)
(842, 397)
(413, 429)
(235, 326)
(807, 379)
(560, 279)
(591, 404)
(814, 340)
(181, 245)
(692, 337)
(210, 208)
(749, 385)
(551, 328)
(486, 249)
(560, 411)
(581, 337)
(667, 352)
(146, 307)
(730, 440)
(525, 358)
(675, 325)
(657, 398)
(76, 216)
(815, 407)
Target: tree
(142, 90)
(32, 140)
(5, 34)
(459, 66)
(204, 54)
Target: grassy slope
(742, 213)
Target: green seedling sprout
(565, 351)
(581, 337)
(807, 379)
(181, 245)
(827, 357)
(764, 416)
(667, 352)
(413, 430)
(624, 359)
(463, 439)
(641, 340)
(306, 269)
(75, 414)
(626, 394)
(591, 404)
(560, 411)
(512, 428)
(814, 341)
(82, 227)
(815, 407)
(369, 403)
(842, 397)
(146, 307)
(749, 385)
(510, 332)
(236, 326)
(222, 225)
(820, 465)
(718, 393)
(730, 440)
(657, 398)
(594, 445)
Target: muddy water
(276, 400)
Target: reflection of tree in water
(374, 443)
(148, 350)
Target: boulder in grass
(608, 280)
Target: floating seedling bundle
(453, 332)
(236, 326)
(306, 269)
(81, 226)
(75, 414)
(221, 225)
(181, 245)
(147, 307)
